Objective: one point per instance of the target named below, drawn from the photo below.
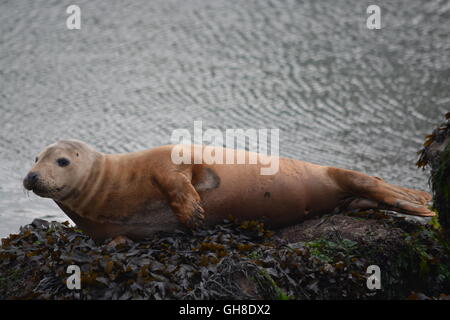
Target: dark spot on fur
(205, 179)
(156, 183)
(267, 195)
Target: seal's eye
(63, 162)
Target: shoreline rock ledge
(322, 258)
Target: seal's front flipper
(182, 197)
(120, 240)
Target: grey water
(340, 94)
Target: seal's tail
(372, 192)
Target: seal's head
(60, 168)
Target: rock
(323, 258)
(436, 155)
(336, 227)
(40, 223)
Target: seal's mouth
(46, 192)
(40, 192)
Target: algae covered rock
(324, 258)
(436, 155)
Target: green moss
(279, 293)
(434, 222)
(420, 262)
(428, 250)
(326, 250)
(440, 184)
(255, 255)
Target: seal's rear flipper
(407, 207)
(400, 206)
(374, 193)
(403, 200)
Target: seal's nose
(30, 180)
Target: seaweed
(231, 261)
(436, 155)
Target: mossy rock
(436, 155)
(324, 258)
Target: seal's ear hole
(36, 160)
(78, 154)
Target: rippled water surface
(339, 93)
